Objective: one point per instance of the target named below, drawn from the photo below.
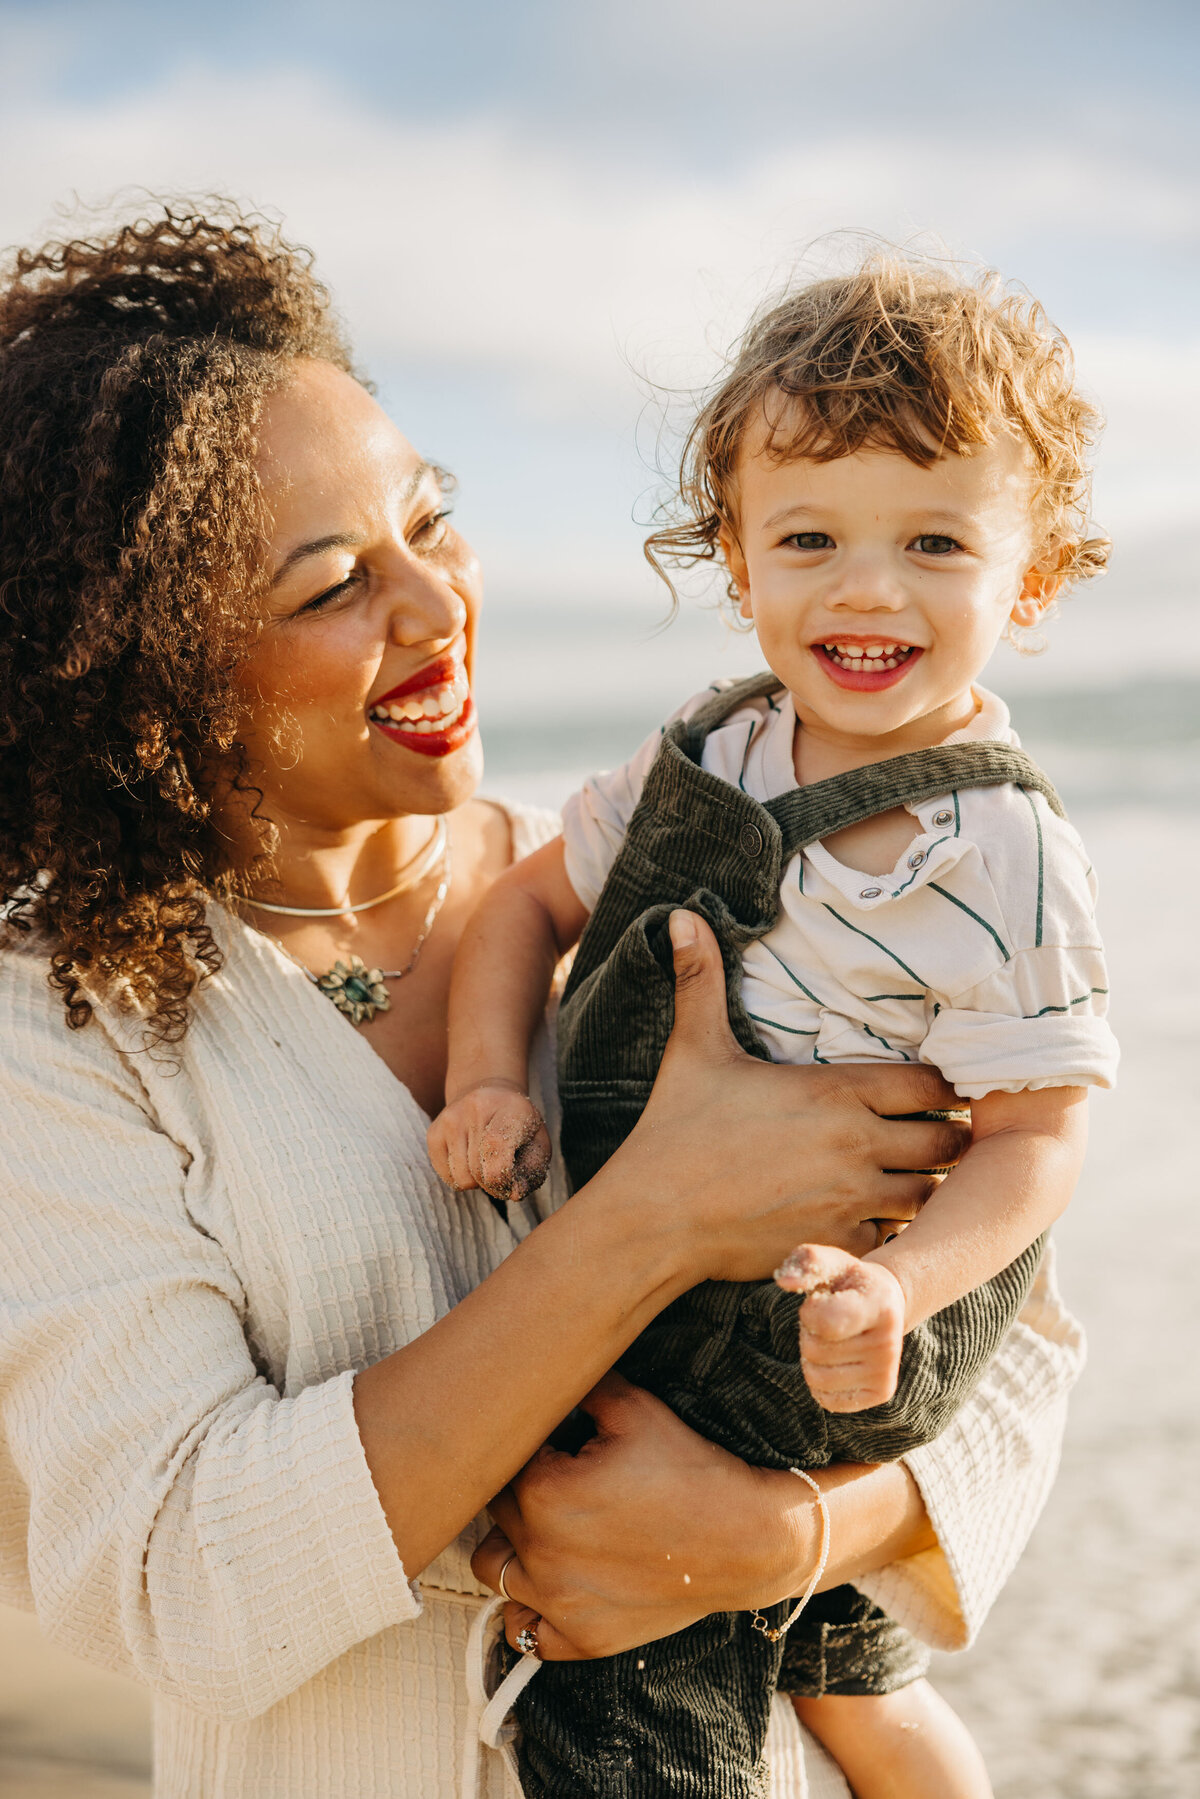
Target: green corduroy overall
(688, 1715)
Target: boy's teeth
(871, 659)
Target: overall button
(870, 893)
(918, 859)
(751, 840)
(943, 818)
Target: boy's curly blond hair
(900, 355)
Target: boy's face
(879, 589)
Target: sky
(544, 222)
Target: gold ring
(500, 1581)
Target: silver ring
(500, 1581)
(526, 1640)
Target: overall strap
(806, 814)
(690, 734)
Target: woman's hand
(630, 1539)
(651, 1527)
(746, 1159)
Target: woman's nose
(425, 606)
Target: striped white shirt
(978, 952)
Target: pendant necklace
(357, 991)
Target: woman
(259, 1371)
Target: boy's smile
(879, 588)
(866, 663)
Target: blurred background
(544, 224)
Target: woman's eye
(332, 595)
(810, 540)
(930, 544)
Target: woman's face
(358, 691)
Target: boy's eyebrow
(786, 512)
(931, 515)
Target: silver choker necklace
(410, 874)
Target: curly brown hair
(906, 355)
(133, 366)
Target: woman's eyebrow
(345, 540)
(337, 540)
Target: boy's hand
(492, 1136)
(851, 1326)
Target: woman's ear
(739, 574)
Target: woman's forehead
(325, 442)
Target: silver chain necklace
(360, 992)
(414, 870)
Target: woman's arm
(165, 1509)
(932, 1539)
(449, 1419)
(177, 1517)
(707, 1533)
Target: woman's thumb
(701, 1007)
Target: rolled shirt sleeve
(1039, 1021)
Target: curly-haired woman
(260, 1372)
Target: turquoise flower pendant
(355, 989)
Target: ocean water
(1113, 716)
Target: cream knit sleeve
(165, 1510)
(987, 1477)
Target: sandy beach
(1085, 1683)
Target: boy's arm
(1016, 1178)
(1014, 1181)
(490, 1133)
(514, 940)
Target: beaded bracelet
(758, 1622)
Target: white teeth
(419, 722)
(871, 660)
(434, 709)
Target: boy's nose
(867, 585)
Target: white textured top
(978, 952)
(199, 1251)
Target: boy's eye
(930, 544)
(810, 540)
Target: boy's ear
(1038, 590)
(739, 574)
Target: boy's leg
(842, 1644)
(685, 1717)
(903, 1745)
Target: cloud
(475, 245)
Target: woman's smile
(432, 712)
